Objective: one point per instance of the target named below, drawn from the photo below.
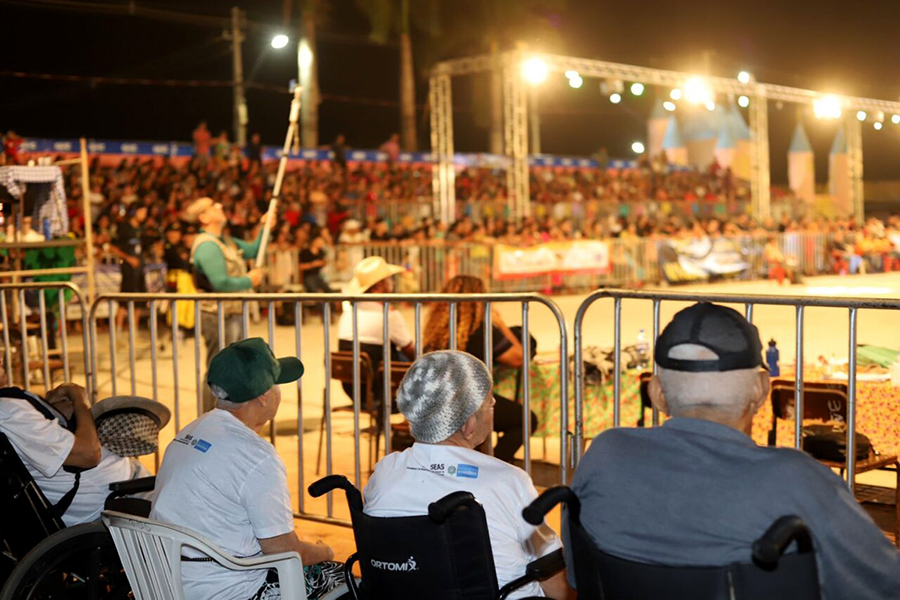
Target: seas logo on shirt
(460, 470)
(196, 443)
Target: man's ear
(761, 386)
(657, 397)
(468, 428)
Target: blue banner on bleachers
(181, 149)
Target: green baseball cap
(247, 369)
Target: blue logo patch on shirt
(201, 445)
(470, 471)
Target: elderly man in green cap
(222, 480)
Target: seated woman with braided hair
(506, 350)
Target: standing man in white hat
(373, 275)
(220, 266)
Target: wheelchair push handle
(535, 512)
(334, 482)
(768, 549)
(440, 510)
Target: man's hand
(68, 399)
(256, 276)
(264, 218)
(326, 552)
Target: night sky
(848, 48)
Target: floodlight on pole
(744, 77)
(575, 82)
(861, 115)
(669, 105)
(675, 94)
(895, 119)
(877, 125)
(637, 148)
(696, 91)
(827, 107)
(280, 41)
(615, 98)
(743, 101)
(637, 88)
(534, 70)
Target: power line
(94, 80)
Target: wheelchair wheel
(77, 563)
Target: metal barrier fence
(800, 303)
(131, 304)
(41, 320)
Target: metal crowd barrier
(800, 303)
(132, 302)
(28, 297)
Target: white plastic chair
(151, 554)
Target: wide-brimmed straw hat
(370, 271)
(129, 425)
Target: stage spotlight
(280, 41)
(675, 94)
(877, 125)
(710, 105)
(571, 74)
(743, 101)
(744, 77)
(615, 98)
(861, 115)
(534, 70)
(669, 105)
(575, 82)
(696, 91)
(637, 89)
(895, 119)
(827, 107)
(637, 148)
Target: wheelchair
(41, 558)
(445, 555)
(769, 573)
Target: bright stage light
(669, 106)
(827, 107)
(571, 74)
(637, 89)
(743, 101)
(895, 119)
(675, 94)
(696, 91)
(615, 98)
(280, 41)
(861, 115)
(744, 77)
(534, 70)
(575, 82)
(637, 148)
(710, 105)
(877, 125)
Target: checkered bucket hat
(129, 425)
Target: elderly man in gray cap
(447, 398)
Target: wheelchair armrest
(539, 570)
(440, 510)
(768, 549)
(132, 486)
(535, 512)
(546, 566)
(334, 482)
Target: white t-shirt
(44, 444)
(370, 325)
(221, 480)
(405, 483)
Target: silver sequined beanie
(440, 392)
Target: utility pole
(240, 102)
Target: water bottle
(45, 229)
(772, 356)
(643, 347)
